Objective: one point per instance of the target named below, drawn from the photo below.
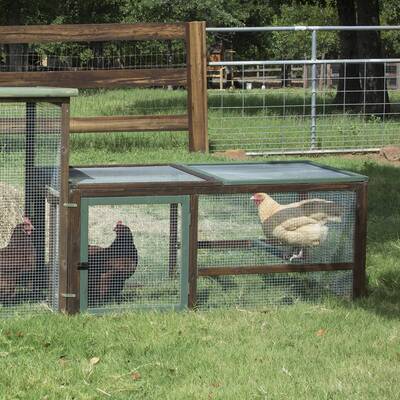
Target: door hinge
(70, 205)
(68, 295)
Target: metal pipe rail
(305, 28)
(307, 62)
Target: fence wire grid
(30, 138)
(310, 105)
(93, 56)
(134, 256)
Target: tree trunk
(361, 87)
(16, 57)
(349, 88)
(375, 95)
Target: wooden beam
(117, 123)
(276, 268)
(123, 123)
(73, 253)
(360, 242)
(197, 86)
(64, 227)
(193, 234)
(115, 78)
(232, 244)
(90, 32)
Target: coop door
(134, 253)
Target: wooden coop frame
(193, 77)
(207, 184)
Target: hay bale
(11, 210)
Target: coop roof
(127, 175)
(26, 92)
(276, 172)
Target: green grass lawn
(337, 349)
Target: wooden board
(97, 78)
(197, 86)
(123, 123)
(360, 242)
(89, 32)
(267, 269)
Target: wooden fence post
(197, 85)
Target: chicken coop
(218, 235)
(34, 162)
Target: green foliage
(297, 45)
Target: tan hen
(300, 224)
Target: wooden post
(30, 158)
(305, 76)
(73, 253)
(197, 86)
(173, 239)
(360, 242)
(194, 215)
(329, 76)
(64, 199)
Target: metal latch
(83, 266)
(70, 205)
(68, 295)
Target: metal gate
(134, 253)
(303, 106)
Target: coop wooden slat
(266, 269)
(193, 234)
(139, 123)
(74, 251)
(230, 244)
(90, 32)
(360, 242)
(207, 187)
(63, 212)
(98, 78)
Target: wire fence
(92, 56)
(304, 106)
(236, 230)
(30, 142)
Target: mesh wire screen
(298, 228)
(257, 291)
(270, 108)
(30, 137)
(134, 256)
(93, 56)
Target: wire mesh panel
(30, 137)
(257, 291)
(282, 108)
(137, 256)
(259, 229)
(106, 55)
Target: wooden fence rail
(193, 77)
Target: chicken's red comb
(119, 222)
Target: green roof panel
(39, 91)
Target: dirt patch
(232, 154)
(390, 153)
